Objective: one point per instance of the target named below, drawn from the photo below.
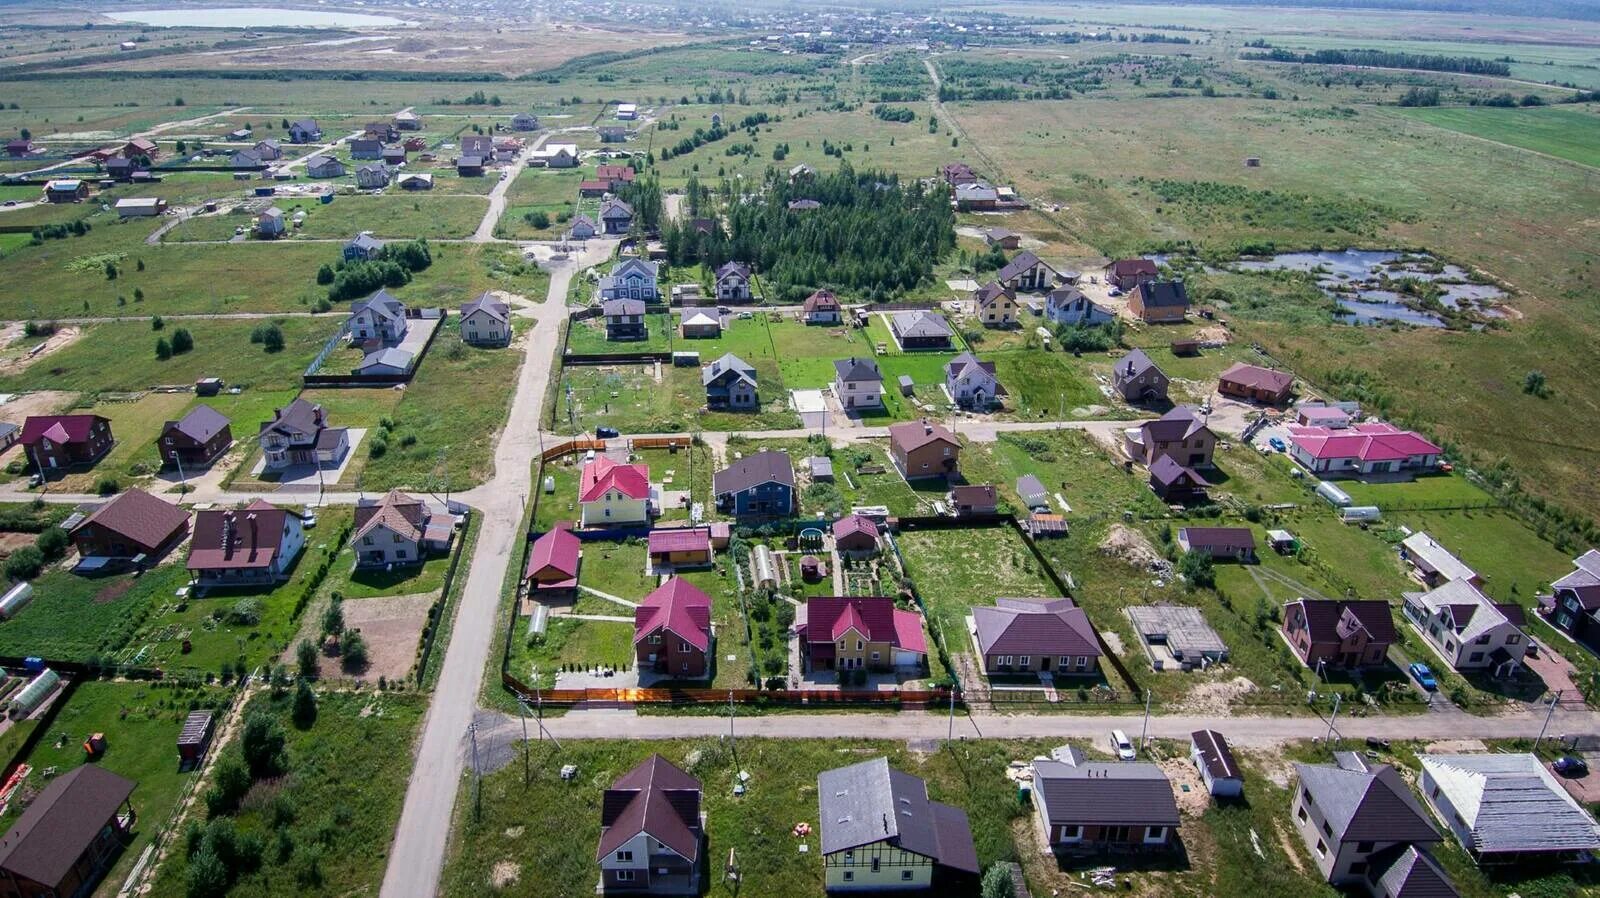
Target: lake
(252, 17)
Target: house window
(1083, 662)
(625, 856)
(683, 646)
(905, 875)
(849, 857)
(1326, 829)
(1071, 833)
(875, 864)
(860, 645)
(1513, 640)
(366, 540)
(1475, 657)
(1155, 834)
(849, 876)
(1022, 661)
(624, 875)
(1322, 850)
(1363, 848)
(1066, 661)
(1301, 814)
(655, 638)
(874, 656)
(1482, 640)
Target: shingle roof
(1167, 471)
(1472, 612)
(870, 802)
(857, 369)
(201, 423)
(612, 308)
(487, 304)
(1163, 294)
(62, 822)
(251, 547)
(1132, 366)
(615, 208)
(1367, 806)
(1256, 377)
(728, 362)
(752, 471)
(958, 366)
(1401, 871)
(875, 617)
(656, 798)
(1323, 616)
(821, 301)
(678, 607)
(990, 293)
(738, 269)
(850, 525)
(913, 435)
(921, 324)
(1018, 266)
(1105, 793)
(140, 517)
(977, 495)
(1219, 537)
(59, 428)
(403, 514)
(1179, 423)
(1034, 627)
(1130, 267)
(557, 550)
(1511, 802)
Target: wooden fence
(687, 696)
(571, 446)
(662, 442)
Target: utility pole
(1144, 734)
(1334, 716)
(732, 745)
(522, 705)
(477, 779)
(1554, 700)
(183, 483)
(951, 735)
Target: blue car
(1423, 676)
(1278, 444)
(1571, 767)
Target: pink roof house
(672, 631)
(1361, 450)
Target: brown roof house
(68, 836)
(822, 307)
(1221, 543)
(1176, 483)
(195, 440)
(1026, 274)
(1256, 384)
(880, 832)
(1035, 636)
(1365, 830)
(298, 434)
(1348, 634)
(968, 501)
(1180, 434)
(1126, 274)
(257, 544)
(1137, 379)
(134, 523)
(1087, 806)
(398, 530)
(1573, 605)
(56, 442)
(1159, 302)
(924, 449)
(856, 536)
(652, 832)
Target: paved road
(417, 855)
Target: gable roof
(1167, 471)
(913, 435)
(1425, 548)
(558, 549)
(967, 363)
(1179, 423)
(821, 301)
(62, 822)
(1374, 441)
(728, 362)
(1366, 804)
(366, 242)
(1034, 627)
(612, 308)
(1511, 802)
(857, 369)
(679, 539)
(1131, 267)
(1584, 580)
(1471, 612)
(1256, 377)
(1075, 791)
(921, 324)
(656, 798)
(1133, 365)
(642, 267)
(603, 475)
(991, 293)
(59, 428)
(1215, 755)
(1020, 265)
(488, 305)
(874, 617)
(733, 269)
(1401, 871)
(138, 516)
(1323, 616)
(615, 208)
(678, 607)
(982, 494)
(850, 525)
(751, 471)
(382, 304)
(1219, 537)
(870, 802)
(224, 538)
(1163, 294)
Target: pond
(1368, 284)
(252, 17)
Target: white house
(733, 282)
(398, 529)
(556, 155)
(1467, 630)
(1507, 807)
(857, 383)
(378, 317)
(1068, 305)
(613, 494)
(1361, 449)
(486, 321)
(971, 382)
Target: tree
(269, 336)
(157, 323)
(997, 882)
(111, 271)
(325, 275)
(163, 349)
(25, 563)
(207, 877)
(1533, 383)
(52, 543)
(228, 788)
(306, 657)
(182, 342)
(305, 706)
(1196, 569)
(26, 134)
(353, 650)
(333, 617)
(262, 742)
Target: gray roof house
(972, 382)
(364, 247)
(1507, 807)
(761, 484)
(1026, 273)
(1027, 636)
(324, 167)
(485, 321)
(1138, 379)
(616, 217)
(921, 330)
(730, 384)
(366, 148)
(879, 829)
(1088, 806)
(378, 317)
(857, 383)
(1358, 820)
(373, 176)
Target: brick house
(1180, 434)
(1348, 634)
(1254, 383)
(672, 631)
(1159, 302)
(1126, 274)
(134, 523)
(196, 440)
(924, 449)
(57, 442)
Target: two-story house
(1159, 302)
(56, 442)
(730, 385)
(195, 440)
(733, 282)
(632, 279)
(398, 529)
(305, 130)
(1365, 830)
(1180, 433)
(652, 832)
(616, 216)
(924, 449)
(625, 319)
(860, 633)
(254, 545)
(298, 434)
(1069, 305)
(996, 305)
(1346, 634)
(1026, 274)
(757, 485)
(1137, 379)
(614, 494)
(972, 383)
(822, 307)
(1126, 274)
(379, 317)
(880, 832)
(672, 631)
(1573, 604)
(857, 384)
(1093, 806)
(485, 321)
(1468, 630)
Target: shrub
(997, 882)
(306, 657)
(108, 486)
(52, 543)
(269, 336)
(538, 219)
(353, 651)
(246, 611)
(25, 563)
(157, 323)
(263, 745)
(163, 349)
(1196, 569)
(182, 341)
(228, 787)
(333, 617)
(305, 706)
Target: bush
(246, 611)
(353, 651)
(163, 349)
(269, 336)
(228, 788)
(52, 544)
(108, 486)
(207, 877)
(1196, 569)
(305, 706)
(997, 882)
(537, 219)
(325, 275)
(306, 658)
(333, 617)
(263, 745)
(157, 323)
(25, 563)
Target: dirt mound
(113, 591)
(504, 874)
(1216, 697)
(1196, 799)
(1131, 546)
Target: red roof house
(1375, 448)
(553, 561)
(860, 632)
(254, 544)
(1255, 384)
(822, 307)
(1346, 633)
(1126, 274)
(672, 630)
(614, 493)
(55, 442)
(680, 546)
(855, 535)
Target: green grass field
(75, 618)
(957, 569)
(400, 216)
(1572, 134)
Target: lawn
(616, 569)
(579, 644)
(356, 583)
(1572, 134)
(1437, 491)
(391, 216)
(628, 398)
(354, 408)
(141, 722)
(956, 569)
(588, 337)
(136, 425)
(320, 831)
(73, 618)
(120, 356)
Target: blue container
(266, 191)
(326, 198)
(33, 665)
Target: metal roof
(1511, 802)
(1366, 805)
(1104, 793)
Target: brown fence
(720, 696)
(571, 446)
(662, 442)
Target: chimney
(227, 534)
(927, 428)
(316, 415)
(251, 519)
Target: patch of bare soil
(1216, 696)
(504, 874)
(1181, 772)
(40, 402)
(11, 542)
(391, 626)
(113, 590)
(1131, 546)
(11, 364)
(1289, 849)
(1216, 333)
(1455, 747)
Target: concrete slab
(303, 476)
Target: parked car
(308, 519)
(1121, 745)
(1423, 676)
(1570, 766)
(1278, 444)
(606, 433)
